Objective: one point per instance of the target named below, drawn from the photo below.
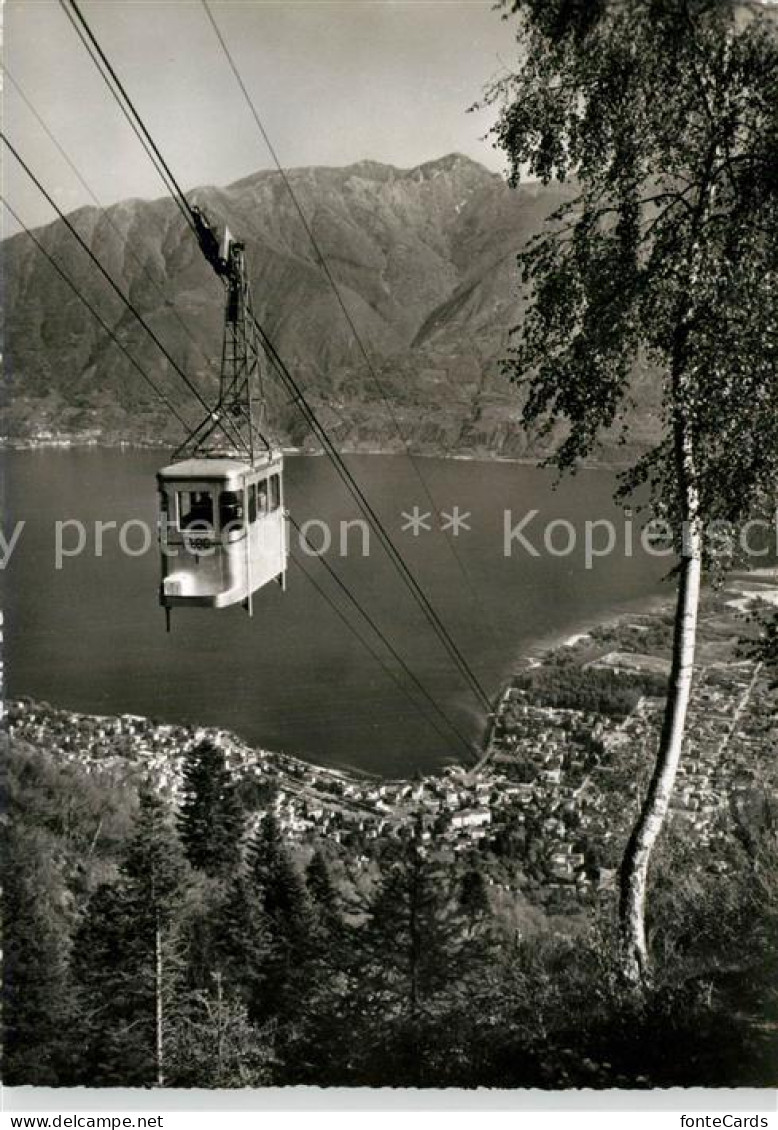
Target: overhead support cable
(224, 423)
(373, 518)
(376, 656)
(387, 644)
(325, 267)
(340, 583)
(125, 103)
(106, 213)
(396, 558)
(171, 407)
(149, 380)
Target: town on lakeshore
(565, 759)
(390, 554)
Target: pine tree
(153, 866)
(265, 848)
(474, 896)
(413, 967)
(414, 929)
(286, 907)
(330, 973)
(36, 990)
(322, 893)
(126, 961)
(283, 889)
(242, 945)
(113, 1026)
(211, 818)
(154, 874)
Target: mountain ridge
(424, 260)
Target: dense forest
(184, 941)
(598, 690)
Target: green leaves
(666, 114)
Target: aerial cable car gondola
(222, 528)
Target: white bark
(637, 857)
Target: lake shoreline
(537, 652)
(320, 699)
(531, 655)
(134, 446)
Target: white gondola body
(222, 530)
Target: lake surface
(91, 635)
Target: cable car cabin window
(275, 492)
(262, 497)
(195, 506)
(252, 492)
(231, 509)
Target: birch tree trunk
(637, 857)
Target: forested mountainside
(181, 908)
(199, 944)
(425, 262)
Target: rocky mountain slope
(425, 262)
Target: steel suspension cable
(374, 653)
(387, 644)
(342, 586)
(428, 610)
(168, 403)
(325, 267)
(394, 554)
(223, 423)
(95, 53)
(106, 213)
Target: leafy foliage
(665, 112)
(665, 115)
(595, 689)
(765, 647)
(413, 978)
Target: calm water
(91, 636)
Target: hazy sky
(334, 80)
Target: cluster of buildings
(726, 745)
(50, 437)
(562, 769)
(309, 800)
(583, 775)
(559, 786)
